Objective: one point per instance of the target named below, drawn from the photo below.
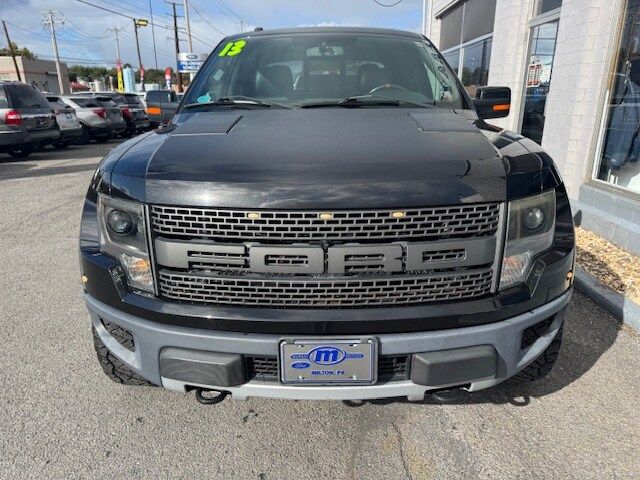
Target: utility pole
(153, 35)
(175, 35)
(116, 30)
(139, 22)
(50, 21)
(13, 54)
(189, 42)
(120, 86)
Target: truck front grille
(303, 292)
(340, 225)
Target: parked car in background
(67, 121)
(138, 112)
(132, 111)
(161, 106)
(97, 122)
(26, 119)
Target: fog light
(138, 270)
(121, 222)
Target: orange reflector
(502, 108)
(153, 111)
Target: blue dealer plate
(328, 362)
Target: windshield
(299, 69)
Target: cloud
(85, 34)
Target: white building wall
(508, 54)
(579, 76)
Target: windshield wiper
(235, 101)
(364, 101)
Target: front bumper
(151, 338)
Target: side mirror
(493, 102)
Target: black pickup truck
(328, 216)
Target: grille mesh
(354, 225)
(390, 368)
(310, 293)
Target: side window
(3, 99)
(153, 97)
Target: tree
(22, 52)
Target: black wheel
(114, 368)
(84, 137)
(541, 366)
(60, 145)
(20, 152)
(102, 138)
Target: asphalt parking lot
(61, 417)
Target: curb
(616, 303)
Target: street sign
(190, 62)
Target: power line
(388, 4)
(206, 21)
(221, 2)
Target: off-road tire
(113, 367)
(541, 366)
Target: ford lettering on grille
(313, 260)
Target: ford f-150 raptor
(327, 216)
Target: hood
(320, 158)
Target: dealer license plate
(329, 362)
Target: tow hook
(208, 399)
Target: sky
(84, 36)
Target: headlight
(123, 236)
(530, 232)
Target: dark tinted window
(26, 96)
(156, 96)
(451, 28)
(106, 102)
(544, 6)
(85, 102)
(56, 103)
(479, 16)
(133, 100)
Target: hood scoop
(205, 124)
(441, 121)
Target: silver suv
(100, 117)
(26, 119)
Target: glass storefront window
(475, 65)
(544, 6)
(453, 58)
(538, 78)
(619, 162)
(479, 16)
(466, 31)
